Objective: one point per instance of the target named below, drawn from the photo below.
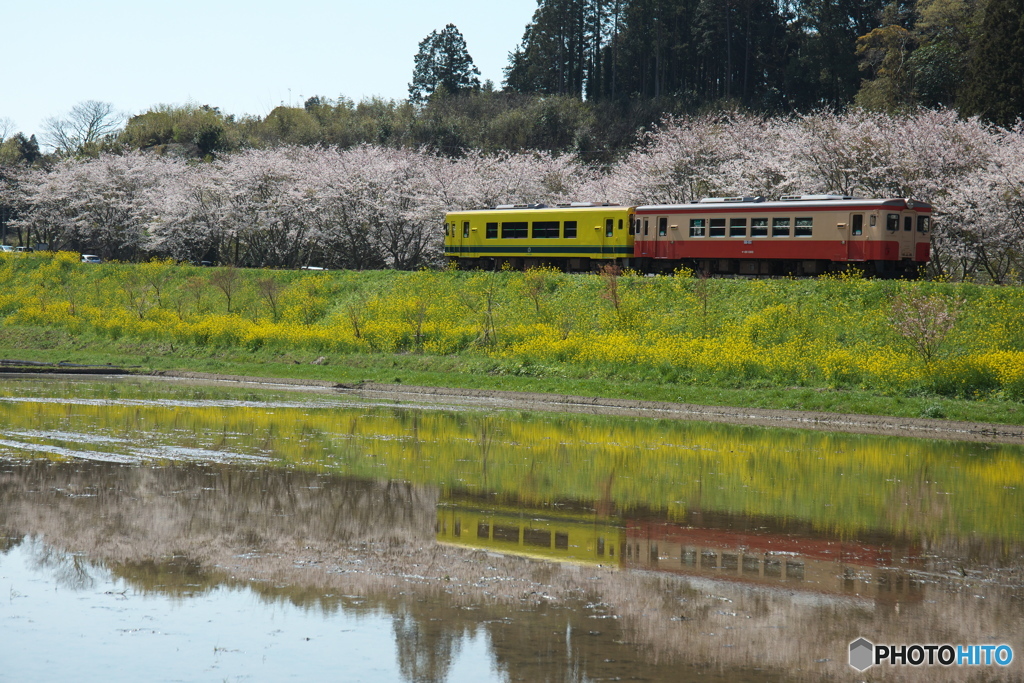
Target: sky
(244, 57)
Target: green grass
(831, 345)
(480, 372)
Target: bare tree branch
(86, 124)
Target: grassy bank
(838, 345)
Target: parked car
(91, 258)
(22, 249)
(6, 247)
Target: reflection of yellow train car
(572, 237)
(534, 533)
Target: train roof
(786, 202)
(577, 206)
(825, 202)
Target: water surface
(198, 532)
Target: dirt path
(762, 417)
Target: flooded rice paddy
(168, 531)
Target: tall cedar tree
(762, 54)
(443, 62)
(560, 48)
(996, 88)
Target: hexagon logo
(862, 654)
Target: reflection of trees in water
(127, 509)
(426, 648)
(9, 539)
(315, 540)
(69, 570)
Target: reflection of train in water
(535, 533)
(724, 547)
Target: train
(796, 235)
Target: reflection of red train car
(814, 563)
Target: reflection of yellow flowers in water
(674, 466)
(833, 331)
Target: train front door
(907, 239)
(663, 247)
(856, 240)
(456, 240)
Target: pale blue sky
(244, 57)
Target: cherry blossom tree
(101, 205)
(378, 207)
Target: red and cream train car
(797, 235)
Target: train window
(923, 223)
(662, 226)
(737, 227)
(620, 224)
(465, 228)
(697, 226)
(908, 224)
(570, 230)
(540, 538)
(758, 227)
(514, 230)
(708, 559)
(874, 220)
(730, 561)
(858, 224)
(645, 227)
(717, 228)
(892, 222)
(609, 227)
(492, 231)
(804, 227)
(780, 227)
(545, 229)
(636, 226)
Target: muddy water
(169, 531)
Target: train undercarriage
(905, 269)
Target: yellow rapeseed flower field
(891, 336)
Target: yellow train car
(570, 237)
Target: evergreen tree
(561, 50)
(443, 62)
(995, 90)
(945, 31)
(18, 149)
(884, 54)
(825, 70)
